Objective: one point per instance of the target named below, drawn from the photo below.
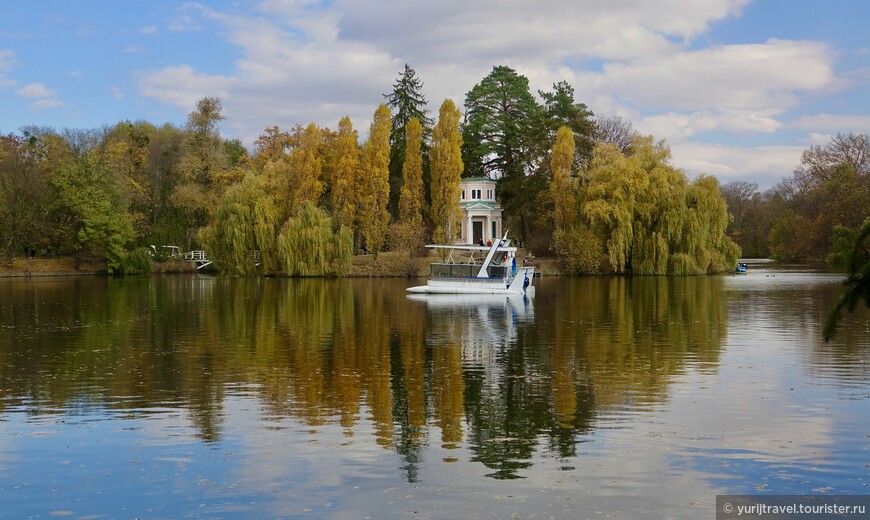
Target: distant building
(481, 212)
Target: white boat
(478, 270)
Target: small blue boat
(741, 267)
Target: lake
(194, 396)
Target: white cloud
(35, 91)
(132, 49)
(842, 123)
(47, 103)
(148, 30)
(731, 77)
(818, 139)
(524, 31)
(306, 60)
(676, 127)
(768, 164)
(75, 74)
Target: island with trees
(589, 191)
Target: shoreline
(390, 265)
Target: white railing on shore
(198, 256)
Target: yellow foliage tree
(375, 189)
(652, 219)
(614, 183)
(561, 187)
(345, 170)
(309, 246)
(304, 165)
(445, 162)
(246, 220)
(407, 233)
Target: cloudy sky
(737, 88)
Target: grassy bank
(390, 264)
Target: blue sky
(737, 88)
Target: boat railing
(448, 270)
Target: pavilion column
(469, 234)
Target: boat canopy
(474, 254)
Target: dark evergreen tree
(406, 102)
(561, 109)
(500, 118)
(502, 121)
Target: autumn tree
(408, 230)
(406, 102)
(345, 174)
(857, 283)
(309, 245)
(651, 219)
(614, 184)
(575, 245)
(446, 165)
(738, 195)
(375, 190)
(561, 187)
(244, 229)
(304, 165)
(273, 144)
(93, 208)
(202, 161)
(829, 188)
(24, 196)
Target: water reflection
(486, 371)
(588, 380)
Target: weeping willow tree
(577, 247)
(308, 245)
(614, 182)
(857, 282)
(652, 219)
(246, 221)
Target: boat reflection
(484, 320)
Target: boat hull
(464, 289)
(520, 284)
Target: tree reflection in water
(504, 378)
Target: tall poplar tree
(446, 164)
(346, 169)
(407, 232)
(304, 164)
(375, 192)
(561, 188)
(411, 196)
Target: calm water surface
(204, 397)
